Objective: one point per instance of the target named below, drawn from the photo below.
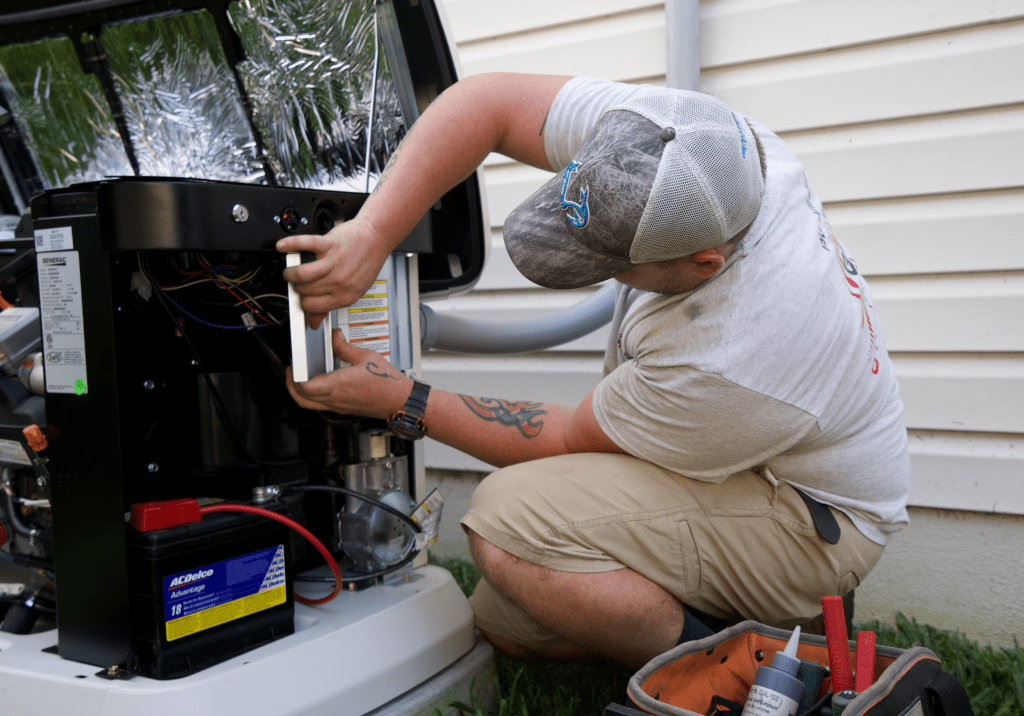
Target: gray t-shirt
(777, 361)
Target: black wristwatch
(408, 422)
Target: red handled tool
(865, 660)
(838, 643)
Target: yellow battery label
(215, 594)
(216, 616)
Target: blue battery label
(224, 591)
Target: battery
(206, 592)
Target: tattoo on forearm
(376, 370)
(527, 417)
(391, 162)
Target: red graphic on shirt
(853, 278)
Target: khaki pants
(744, 548)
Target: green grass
(993, 678)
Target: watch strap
(408, 422)
(416, 405)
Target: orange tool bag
(713, 677)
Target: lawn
(994, 678)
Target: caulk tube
(777, 690)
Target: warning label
(367, 325)
(218, 593)
(63, 322)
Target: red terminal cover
(36, 439)
(838, 643)
(149, 516)
(865, 660)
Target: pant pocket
(692, 577)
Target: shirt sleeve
(695, 423)
(575, 110)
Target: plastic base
(351, 656)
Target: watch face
(405, 428)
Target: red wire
(298, 528)
(229, 290)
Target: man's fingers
(319, 305)
(342, 346)
(315, 319)
(307, 273)
(303, 242)
(298, 394)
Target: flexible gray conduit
(450, 332)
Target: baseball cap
(666, 175)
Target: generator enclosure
(152, 153)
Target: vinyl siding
(909, 118)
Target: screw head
(153, 467)
(148, 385)
(239, 213)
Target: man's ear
(709, 261)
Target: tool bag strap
(947, 696)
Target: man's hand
(348, 260)
(371, 386)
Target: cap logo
(579, 213)
(743, 137)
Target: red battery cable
(298, 528)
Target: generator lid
(312, 94)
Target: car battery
(205, 592)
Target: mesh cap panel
(709, 184)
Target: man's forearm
(499, 432)
(474, 117)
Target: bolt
(153, 467)
(148, 385)
(41, 481)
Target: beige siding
(910, 120)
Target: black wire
(12, 516)
(315, 579)
(270, 353)
(352, 493)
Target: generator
(177, 534)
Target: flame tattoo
(527, 417)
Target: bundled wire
(233, 280)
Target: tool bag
(712, 677)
